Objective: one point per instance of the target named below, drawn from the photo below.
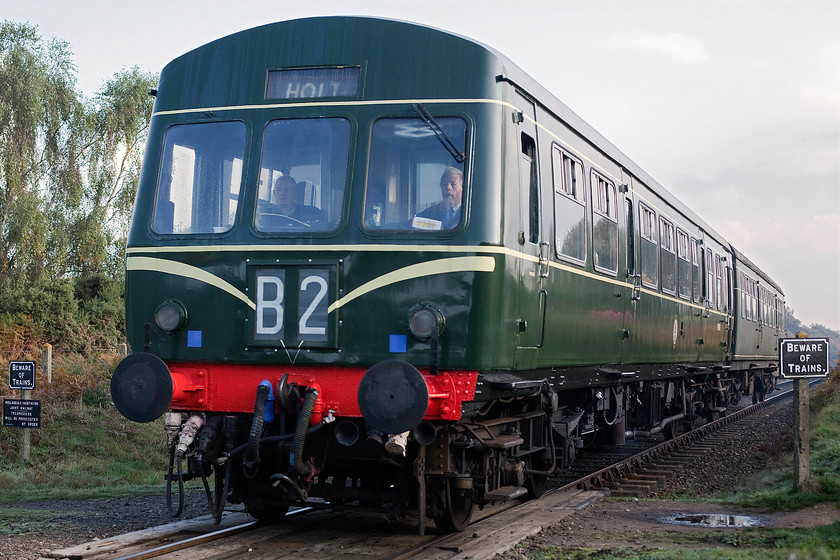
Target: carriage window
(668, 255)
(695, 270)
(683, 265)
(604, 224)
(780, 315)
(719, 284)
(569, 206)
(749, 289)
(647, 227)
(200, 176)
(710, 279)
(765, 308)
(414, 182)
(302, 175)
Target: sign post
(22, 413)
(801, 359)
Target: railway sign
(803, 357)
(19, 413)
(22, 375)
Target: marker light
(170, 316)
(422, 318)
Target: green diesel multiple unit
(378, 264)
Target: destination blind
(313, 83)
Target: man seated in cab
(285, 213)
(447, 212)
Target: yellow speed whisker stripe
(419, 270)
(176, 268)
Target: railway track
(646, 471)
(326, 533)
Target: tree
(68, 174)
(68, 167)
(40, 120)
(119, 115)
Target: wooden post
(46, 362)
(23, 451)
(801, 436)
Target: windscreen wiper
(441, 135)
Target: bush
(73, 314)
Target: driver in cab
(447, 212)
(284, 213)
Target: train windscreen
(200, 176)
(303, 175)
(414, 182)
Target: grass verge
(748, 544)
(83, 451)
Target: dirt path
(644, 525)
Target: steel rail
(597, 480)
(202, 539)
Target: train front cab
(232, 302)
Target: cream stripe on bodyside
(329, 104)
(419, 270)
(176, 268)
(496, 250)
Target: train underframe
(502, 449)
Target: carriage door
(533, 264)
(631, 292)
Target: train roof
(560, 110)
(739, 256)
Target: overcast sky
(734, 106)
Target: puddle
(712, 520)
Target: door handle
(544, 268)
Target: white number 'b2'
(264, 305)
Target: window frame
(231, 193)
(311, 195)
(649, 225)
(667, 251)
(464, 167)
(605, 208)
(563, 177)
(683, 256)
(709, 274)
(696, 270)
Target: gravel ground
(30, 530)
(761, 442)
(749, 458)
(41, 527)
